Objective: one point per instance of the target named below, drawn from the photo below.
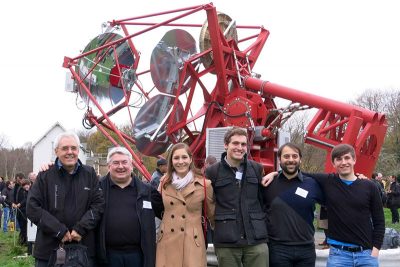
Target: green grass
(388, 221)
(8, 250)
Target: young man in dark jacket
(126, 234)
(240, 234)
(65, 202)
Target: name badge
(146, 204)
(239, 175)
(301, 192)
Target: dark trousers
(23, 225)
(291, 256)
(395, 214)
(43, 263)
(124, 258)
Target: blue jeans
(6, 215)
(340, 258)
(289, 256)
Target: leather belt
(349, 249)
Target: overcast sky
(336, 49)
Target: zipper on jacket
(55, 196)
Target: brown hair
(290, 145)
(234, 131)
(170, 167)
(342, 149)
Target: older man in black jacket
(65, 202)
(126, 234)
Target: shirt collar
(59, 165)
(131, 184)
(299, 175)
(240, 168)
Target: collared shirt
(59, 165)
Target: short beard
(285, 169)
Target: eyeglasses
(66, 148)
(117, 163)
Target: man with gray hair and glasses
(126, 234)
(65, 202)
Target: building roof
(50, 129)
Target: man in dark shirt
(126, 234)
(355, 212)
(290, 204)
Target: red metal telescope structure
(178, 104)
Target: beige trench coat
(180, 241)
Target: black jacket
(8, 192)
(394, 196)
(45, 207)
(146, 219)
(239, 212)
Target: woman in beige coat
(180, 240)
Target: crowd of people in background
(256, 219)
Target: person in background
(65, 202)
(158, 173)
(126, 234)
(22, 198)
(18, 196)
(2, 186)
(180, 241)
(394, 198)
(32, 177)
(155, 182)
(7, 194)
(210, 160)
(240, 233)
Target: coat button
(195, 236)
(172, 230)
(182, 229)
(184, 204)
(183, 216)
(172, 216)
(162, 231)
(172, 203)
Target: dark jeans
(124, 259)
(395, 214)
(23, 224)
(290, 256)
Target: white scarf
(181, 183)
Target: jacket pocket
(259, 225)
(226, 228)
(252, 184)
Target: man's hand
(361, 176)
(46, 166)
(75, 236)
(267, 179)
(67, 237)
(375, 252)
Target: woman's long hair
(170, 168)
